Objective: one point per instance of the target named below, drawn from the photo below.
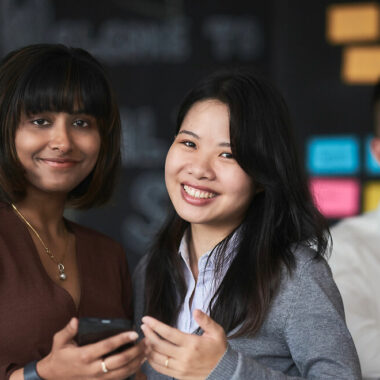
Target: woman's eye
(40, 122)
(227, 155)
(80, 123)
(189, 144)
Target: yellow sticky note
(354, 22)
(361, 64)
(371, 195)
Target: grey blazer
(303, 336)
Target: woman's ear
(375, 148)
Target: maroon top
(33, 308)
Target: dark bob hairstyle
(281, 215)
(49, 77)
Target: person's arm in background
(349, 267)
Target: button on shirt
(203, 289)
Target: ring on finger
(167, 362)
(104, 367)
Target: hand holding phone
(92, 330)
(67, 360)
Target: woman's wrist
(44, 369)
(30, 371)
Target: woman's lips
(197, 192)
(197, 196)
(59, 163)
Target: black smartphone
(92, 330)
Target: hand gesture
(181, 355)
(68, 361)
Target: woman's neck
(44, 212)
(203, 238)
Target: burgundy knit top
(33, 308)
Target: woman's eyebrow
(189, 133)
(222, 144)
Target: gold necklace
(61, 268)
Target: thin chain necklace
(61, 268)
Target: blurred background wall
(324, 56)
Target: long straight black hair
(281, 216)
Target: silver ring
(104, 367)
(167, 362)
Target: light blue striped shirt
(204, 288)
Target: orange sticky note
(361, 64)
(354, 22)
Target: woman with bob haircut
(236, 285)
(59, 146)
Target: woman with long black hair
(236, 285)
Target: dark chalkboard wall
(154, 52)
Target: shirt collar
(183, 251)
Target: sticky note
(335, 155)
(336, 197)
(347, 23)
(361, 64)
(371, 195)
(371, 165)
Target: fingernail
(142, 327)
(133, 335)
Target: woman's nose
(60, 139)
(201, 167)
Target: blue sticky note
(371, 165)
(333, 155)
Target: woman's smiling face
(57, 150)
(205, 183)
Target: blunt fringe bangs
(56, 78)
(281, 216)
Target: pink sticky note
(336, 198)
